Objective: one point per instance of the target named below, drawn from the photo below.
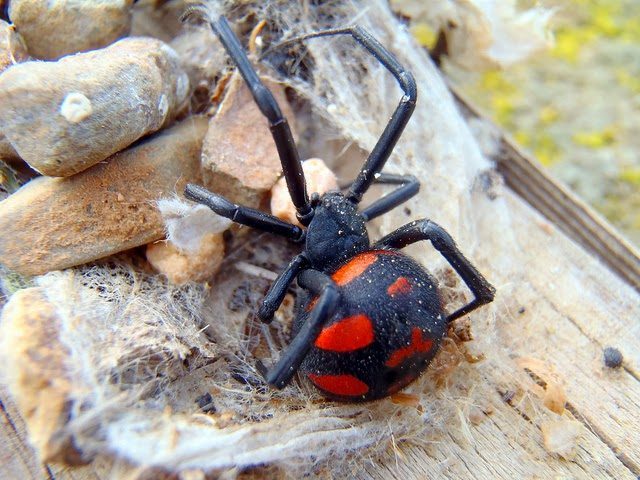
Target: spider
(369, 318)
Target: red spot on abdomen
(346, 385)
(354, 268)
(417, 346)
(401, 285)
(348, 334)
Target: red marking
(354, 268)
(347, 335)
(347, 385)
(417, 345)
(401, 285)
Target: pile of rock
(107, 121)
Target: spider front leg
(318, 284)
(278, 290)
(282, 136)
(409, 186)
(425, 229)
(242, 215)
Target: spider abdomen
(386, 328)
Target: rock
(12, 47)
(239, 158)
(181, 266)
(54, 29)
(320, 179)
(38, 378)
(55, 223)
(194, 248)
(62, 117)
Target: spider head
(336, 232)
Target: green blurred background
(576, 107)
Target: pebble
(54, 29)
(62, 117)
(55, 223)
(194, 248)
(239, 158)
(320, 179)
(12, 48)
(180, 266)
(38, 380)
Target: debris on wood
(561, 437)
(612, 357)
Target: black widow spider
(369, 319)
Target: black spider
(370, 319)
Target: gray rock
(55, 223)
(62, 117)
(54, 29)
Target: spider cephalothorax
(370, 319)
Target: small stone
(38, 379)
(560, 437)
(181, 266)
(12, 47)
(55, 223)
(612, 357)
(194, 248)
(320, 179)
(239, 158)
(54, 29)
(62, 117)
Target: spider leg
(425, 229)
(409, 186)
(318, 284)
(278, 290)
(289, 157)
(243, 215)
(387, 141)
